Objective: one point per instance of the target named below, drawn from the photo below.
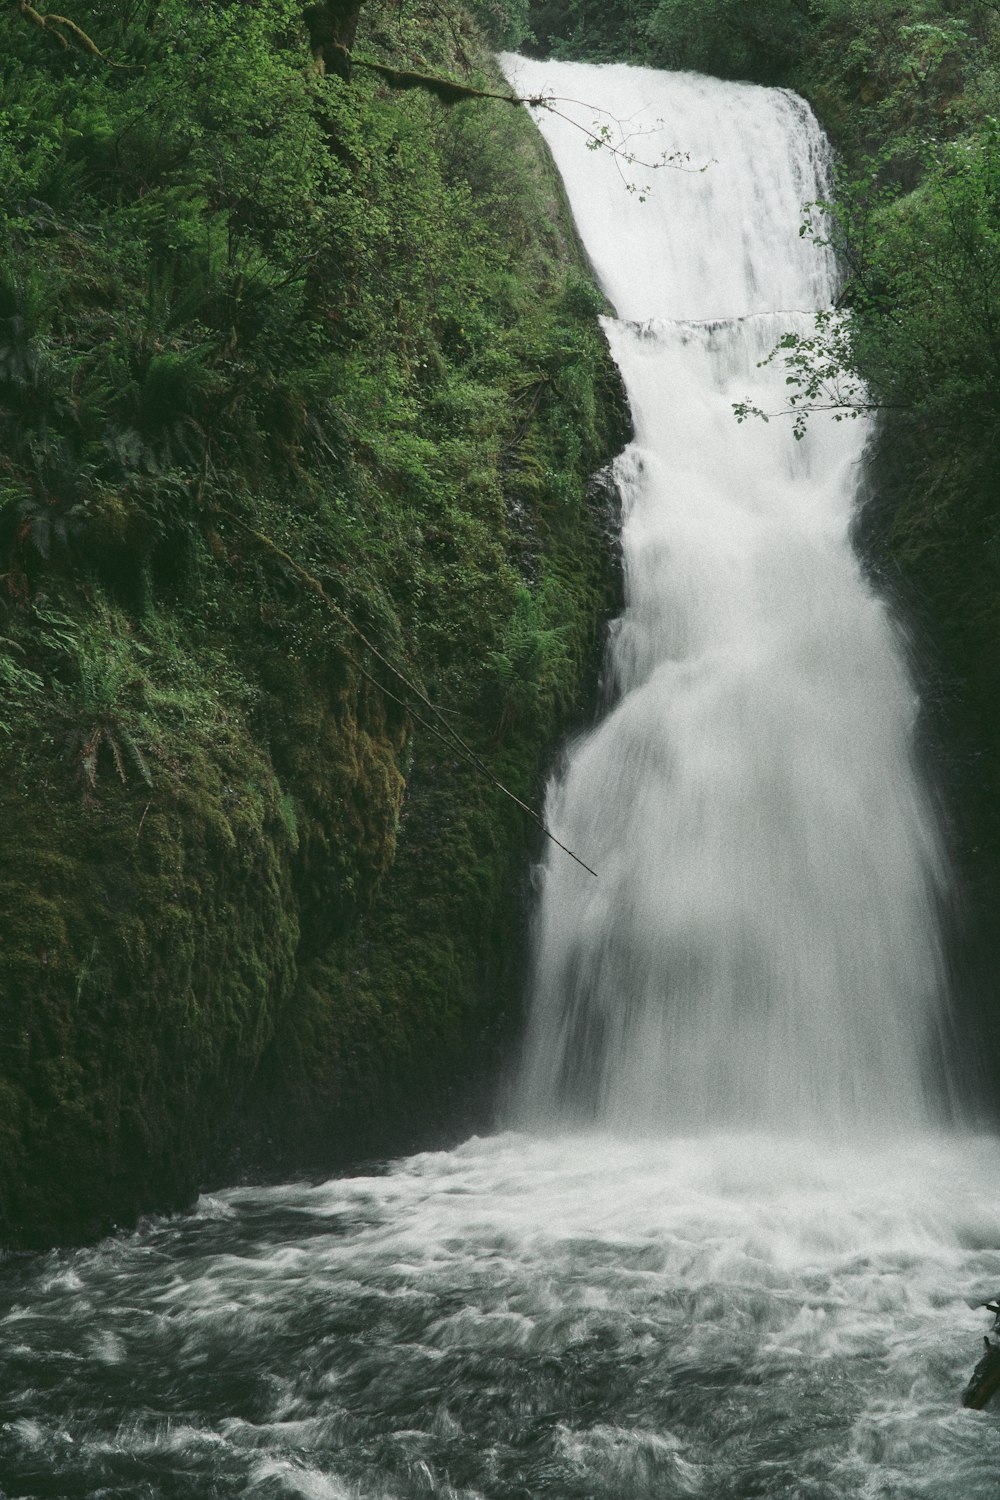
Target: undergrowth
(246, 311)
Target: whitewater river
(733, 1244)
(717, 1317)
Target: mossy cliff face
(928, 532)
(301, 385)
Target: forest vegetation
(301, 387)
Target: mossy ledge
(254, 915)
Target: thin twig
(470, 759)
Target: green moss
(248, 896)
(152, 937)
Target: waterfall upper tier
(730, 183)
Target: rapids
(586, 1318)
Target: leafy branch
(820, 376)
(915, 329)
(821, 366)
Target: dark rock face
(920, 530)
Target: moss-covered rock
(299, 397)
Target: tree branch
(450, 91)
(55, 25)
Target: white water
(762, 944)
(587, 1319)
(713, 1309)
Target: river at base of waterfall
(717, 1315)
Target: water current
(731, 1247)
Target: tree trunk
(331, 32)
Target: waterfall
(761, 946)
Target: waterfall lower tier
(762, 942)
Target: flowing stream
(729, 1248)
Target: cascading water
(723, 1303)
(761, 944)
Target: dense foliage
(300, 385)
